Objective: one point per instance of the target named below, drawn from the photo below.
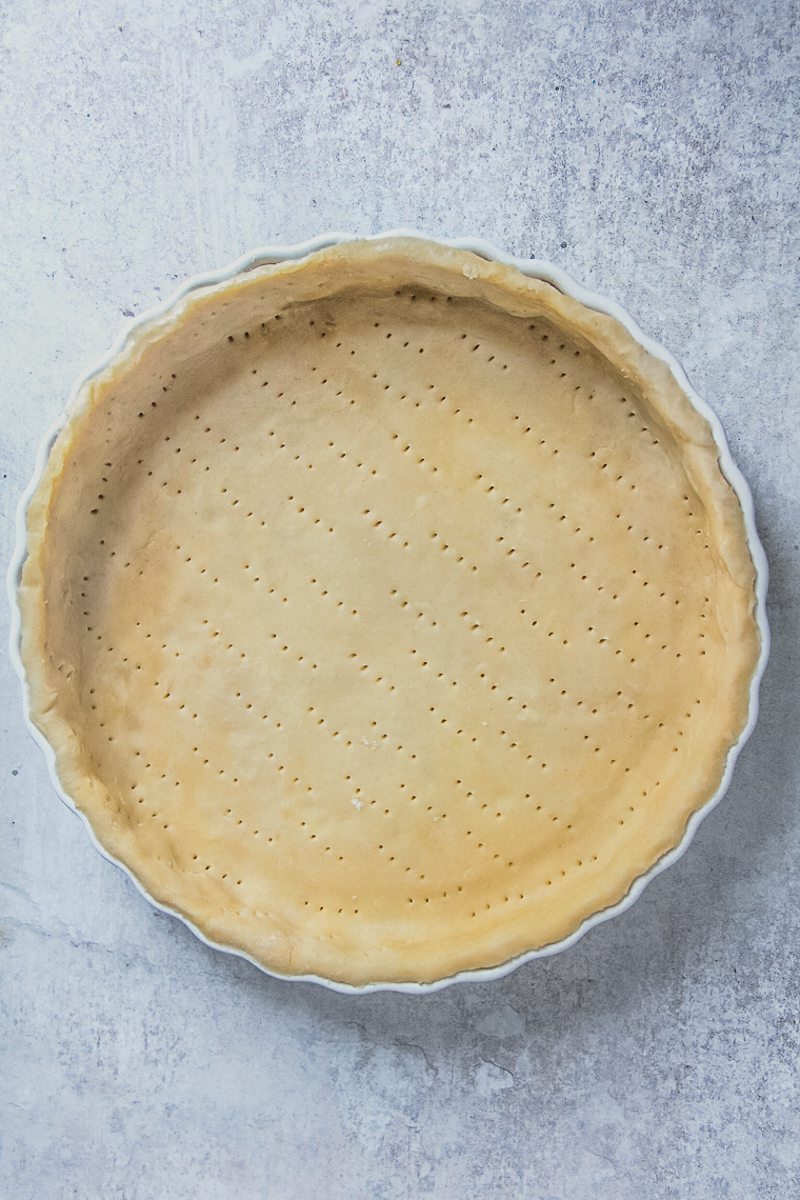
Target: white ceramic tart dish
(391, 610)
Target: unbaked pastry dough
(388, 611)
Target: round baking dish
(149, 324)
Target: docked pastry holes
(393, 620)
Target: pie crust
(387, 611)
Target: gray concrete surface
(648, 148)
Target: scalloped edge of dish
(537, 268)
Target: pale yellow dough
(387, 611)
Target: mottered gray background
(648, 148)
